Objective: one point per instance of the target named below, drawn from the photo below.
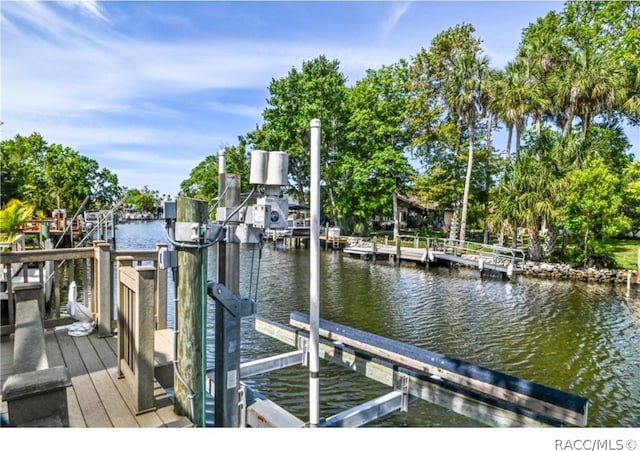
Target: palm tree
(462, 92)
(13, 217)
(546, 52)
(504, 210)
(510, 101)
(588, 88)
(630, 93)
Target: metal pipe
(314, 287)
(70, 224)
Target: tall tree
(318, 91)
(54, 176)
(202, 182)
(588, 87)
(594, 203)
(435, 136)
(463, 92)
(511, 102)
(374, 165)
(545, 53)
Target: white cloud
(236, 108)
(391, 21)
(88, 7)
(71, 76)
(91, 69)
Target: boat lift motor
(270, 212)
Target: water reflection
(578, 337)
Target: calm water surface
(578, 337)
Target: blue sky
(149, 89)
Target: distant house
(413, 215)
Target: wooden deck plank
(54, 354)
(93, 411)
(166, 411)
(97, 398)
(106, 347)
(119, 413)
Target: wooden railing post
(136, 305)
(144, 338)
(161, 292)
(102, 292)
(124, 328)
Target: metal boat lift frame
(489, 397)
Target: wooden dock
(485, 257)
(97, 397)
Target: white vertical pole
(314, 288)
(222, 163)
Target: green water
(577, 337)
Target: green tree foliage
(463, 92)
(605, 26)
(631, 203)
(449, 91)
(143, 200)
(15, 215)
(593, 204)
(202, 182)
(564, 96)
(50, 176)
(374, 164)
(318, 91)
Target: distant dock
(485, 257)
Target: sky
(149, 89)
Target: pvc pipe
(222, 161)
(314, 288)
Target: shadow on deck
(97, 398)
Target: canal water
(577, 337)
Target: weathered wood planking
(97, 397)
(483, 409)
(188, 316)
(91, 406)
(558, 405)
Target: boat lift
(489, 397)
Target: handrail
(454, 246)
(99, 290)
(136, 338)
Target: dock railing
(98, 272)
(489, 253)
(136, 287)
